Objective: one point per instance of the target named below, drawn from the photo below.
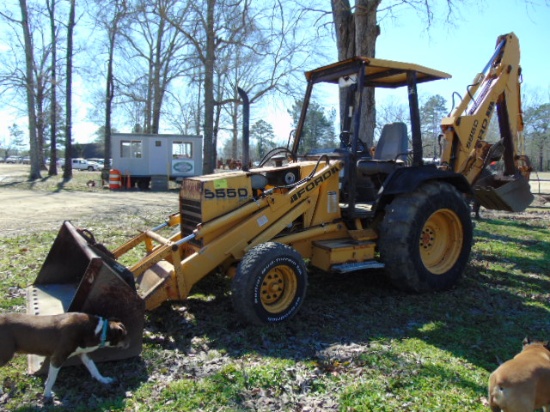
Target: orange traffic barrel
(115, 179)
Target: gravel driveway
(23, 210)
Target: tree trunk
(366, 32)
(157, 81)
(109, 96)
(356, 34)
(40, 120)
(68, 171)
(29, 61)
(52, 171)
(53, 105)
(209, 150)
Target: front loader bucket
(79, 277)
(509, 193)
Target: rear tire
(426, 238)
(270, 284)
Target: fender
(408, 179)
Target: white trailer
(155, 159)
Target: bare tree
(109, 16)
(29, 79)
(29, 64)
(224, 35)
(67, 170)
(356, 28)
(265, 59)
(54, 108)
(158, 49)
(197, 21)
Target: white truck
(150, 161)
(83, 164)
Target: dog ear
(117, 331)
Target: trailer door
(159, 160)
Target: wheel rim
(441, 241)
(278, 289)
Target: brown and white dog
(59, 337)
(522, 384)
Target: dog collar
(103, 340)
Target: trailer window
(182, 150)
(130, 149)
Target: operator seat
(391, 151)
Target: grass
(16, 176)
(356, 345)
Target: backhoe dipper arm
(464, 132)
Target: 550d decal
(228, 193)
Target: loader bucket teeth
(78, 277)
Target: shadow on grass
(76, 390)
(538, 242)
(62, 183)
(31, 184)
(482, 321)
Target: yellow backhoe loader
(342, 208)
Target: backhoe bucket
(80, 277)
(498, 192)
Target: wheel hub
(272, 287)
(427, 238)
(278, 289)
(441, 241)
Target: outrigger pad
(78, 277)
(509, 193)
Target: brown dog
(59, 337)
(522, 384)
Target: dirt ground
(21, 210)
(26, 209)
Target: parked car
(26, 160)
(13, 159)
(100, 162)
(83, 164)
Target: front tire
(270, 284)
(426, 238)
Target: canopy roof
(379, 73)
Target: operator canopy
(379, 73)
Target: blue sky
(460, 47)
(463, 47)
